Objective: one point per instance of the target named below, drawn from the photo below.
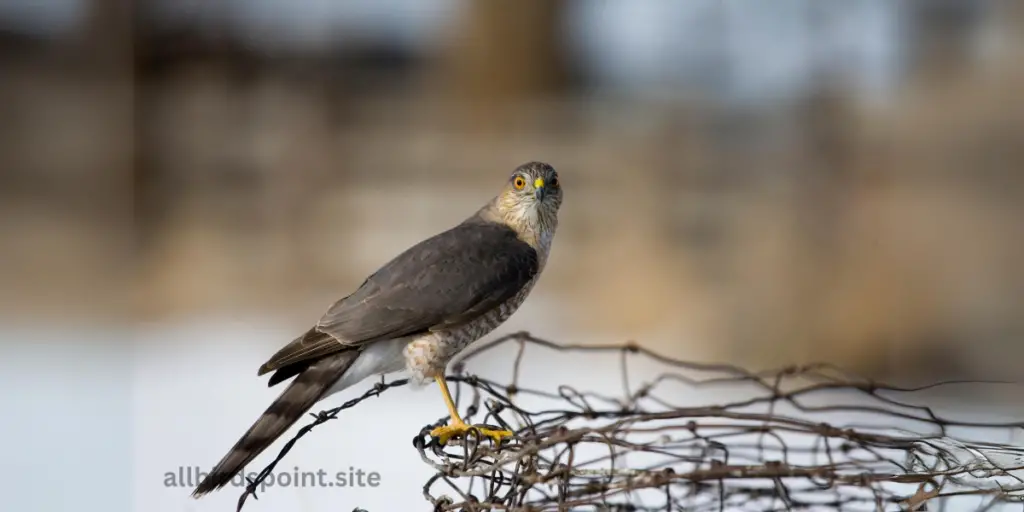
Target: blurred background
(759, 183)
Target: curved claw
(446, 432)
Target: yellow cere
(538, 183)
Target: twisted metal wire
(769, 449)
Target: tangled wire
(762, 446)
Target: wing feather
(444, 281)
(310, 346)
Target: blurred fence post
(504, 51)
(102, 52)
(107, 34)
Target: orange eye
(519, 182)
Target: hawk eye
(554, 181)
(519, 182)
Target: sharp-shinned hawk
(415, 313)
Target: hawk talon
(458, 426)
(445, 432)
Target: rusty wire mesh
(802, 438)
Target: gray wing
(444, 281)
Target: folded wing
(442, 282)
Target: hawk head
(531, 198)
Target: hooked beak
(538, 189)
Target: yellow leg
(458, 426)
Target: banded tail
(300, 395)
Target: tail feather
(300, 395)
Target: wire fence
(767, 446)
